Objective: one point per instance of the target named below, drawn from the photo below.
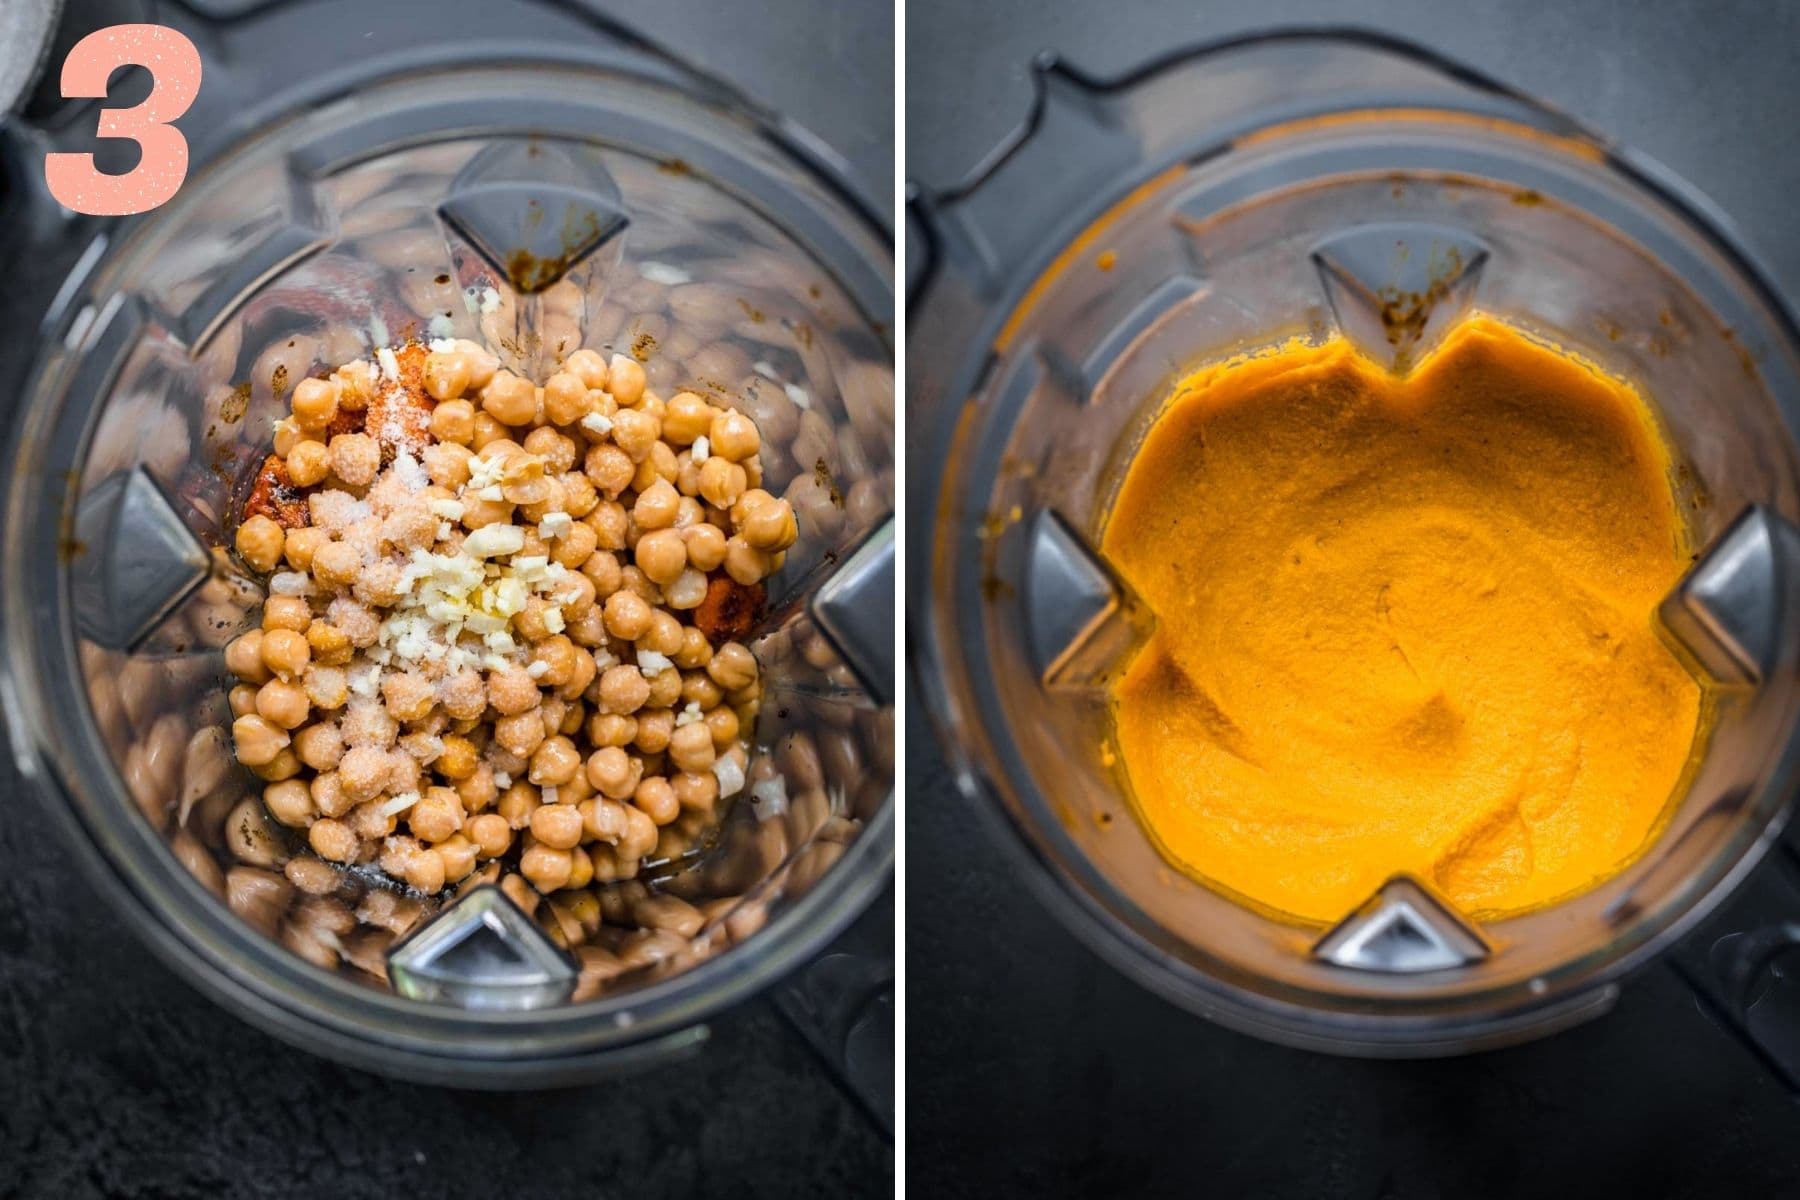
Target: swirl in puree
(1404, 625)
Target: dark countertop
(1034, 1068)
(118, 1080)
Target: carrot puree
(1404, 625)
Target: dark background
(1033, 1068)
(117, 1079)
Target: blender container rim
(960, 728)
(211, 946)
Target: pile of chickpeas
(564, 763)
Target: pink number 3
(174, 66)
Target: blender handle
(842, 1006)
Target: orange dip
(1404, 625)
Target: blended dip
(1404, 625)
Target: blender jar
(1305, 184)
(534, 199)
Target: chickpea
(558, 654)
(336, 564)
(283, 704)
(363, 773)
(724, 726)
(300, 544)
(611, 729)
(696, 791)
(319, 746)
(458, 854)
(555, 763)
(613, 772)
(695, 650)
(625, 380)
(409, 696)
(332, 840)
(453, 421)
(722, 481)
(565, 398)
(691, 747)
(609, 469)
(732, 666)
(287, 435)
(653, 730)
(699, 690)
(578, 493)
(733, 436)
(487, 432)
(687, 417)
(520, 733)
(355, 458)
(243, 657)
(328, 795)
(425, 872)
(656, 506)
(745, 563)
(285, 765)
(520, 893)
(260, 542)
(286, 612)
(315, 403)
(623, 690)
(639, 837)
(509, 399)
(289, 802)
(517, 803)
(558, 826)
(548, 869)
(665, 689)
(241, 700)
(662, 555)
(436, 815)
(627, 615)
(446, 377)
(665, 635)
(447, 463)
(635, 432)
(458, 760)
(512, 691)
(308, 463)
(575, 547)
(257, 740)
(312, 876)
(655, 798)
(705, 546)
(588, 367)
(660, 465)
(478, 791)
(285, 653)
(356, 384)
(491, 834)
(770, 526)
(330, 646)
(326, 687)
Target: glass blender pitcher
(533, 196)
(1301, 184)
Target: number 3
(174, 66)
